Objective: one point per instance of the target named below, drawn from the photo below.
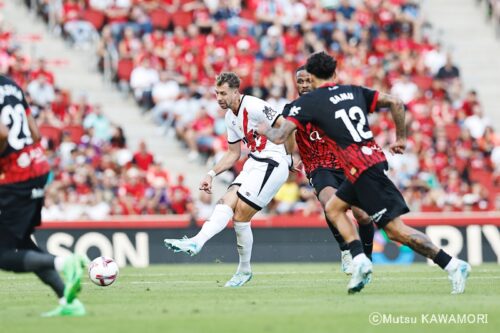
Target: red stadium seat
(75, 131)
(95, 17)
(124, 70)
(160, 18)
(182, 19)
(51, 133)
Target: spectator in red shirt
(142, 158)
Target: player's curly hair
(232, 80)
(321, 65)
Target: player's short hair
(301, 68)
(321, 65)
(232, 80)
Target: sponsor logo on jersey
(269, 112)
(366, 150)
(314, 136)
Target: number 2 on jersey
(358, 133)
(15, 118)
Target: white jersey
(251, 113)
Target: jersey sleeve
(299, 114)
(232, 136)
(371, 97)
(26, 105)
(268, 114)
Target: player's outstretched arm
(226, 162)
(4, 135)
(398, 115)
(277, 135)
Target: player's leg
(244, 241)
(265, 178)
(366, 230)
(458, 270)
(336, 210)
(324, 195)
(222, 214)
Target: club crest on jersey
(341, 97)
(269, 112)
(294, 110)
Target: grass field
(281, 298)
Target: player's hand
(206, 184)
(298, 166)
(398, 147)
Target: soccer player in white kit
(262, 176)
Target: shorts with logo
(323, 177)
(376, 194)
(260, 180)
(20, 209)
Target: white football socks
(452, 265)
(219, 219)
(244, 240)
(59, 263)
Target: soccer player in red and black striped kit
(23, 175)
(325, 174)
(341, 112)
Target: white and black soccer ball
(103, 271)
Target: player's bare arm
(4, 135)
(278, 135)
(398, 115)
(226, 163)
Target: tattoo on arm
(422, 244)
(397, 111)
(279, 135)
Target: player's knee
(9, 261)
(334, 208)
(393, 232)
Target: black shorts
(321, 178)
(376, 194)
(21, 207)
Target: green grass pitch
(281, 298)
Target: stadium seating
(377, 43)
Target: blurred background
(122, 91)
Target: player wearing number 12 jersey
(263, 174)
(325, 174)
(341, 112)
(23, 175)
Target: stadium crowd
(167, 53)
(95, 174)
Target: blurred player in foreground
(262, 175)
(341, 112)
(23, 175)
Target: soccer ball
(103, 271)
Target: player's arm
(35, 133)
(4, 135)
(290, 142)
(226, 162)
(397, 108)
(280, 134)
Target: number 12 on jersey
(355, 113)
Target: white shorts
(260, 180)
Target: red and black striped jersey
(340, 112)
(314, 148)
(22, 159)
